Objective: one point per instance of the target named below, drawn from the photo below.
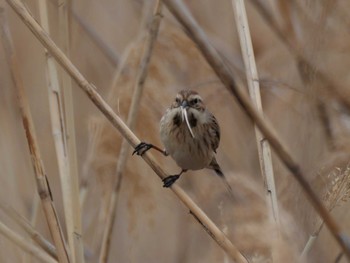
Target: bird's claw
(169, 180)
(141, 148)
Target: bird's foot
(169, 180)
(141, 148)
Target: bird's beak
(184, 104)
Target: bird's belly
(188, 152)
(189, 161)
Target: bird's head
(188, 99)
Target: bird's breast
(188, 152)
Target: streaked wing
(214, 130)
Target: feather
(184, 116)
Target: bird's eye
(195, 101)
(177, 100)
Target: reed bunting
(190, 134)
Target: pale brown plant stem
(26, 245)
(58, 119)
(182, 14)
(27, 227)
(312, 238)
(252, 77)
(131, 122)
(117, 122)
(74, 229)
(34, 214)
(39, 170)
(34, 210)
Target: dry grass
(150, 224)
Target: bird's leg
(143, 147)
(169, 180)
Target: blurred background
(302, 54)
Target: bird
(190, 134)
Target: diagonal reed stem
(182, 14)
(25, 244)
(39, 170)
(116, 121)
(30, 230)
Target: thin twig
(26, 226)
(131, 121)
(254, 91)
(40, 174)
(26, 245)
(116, 121)
(183, 15)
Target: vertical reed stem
(254, 91)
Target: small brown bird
(190, 134)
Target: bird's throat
(177, 120)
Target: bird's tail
(216, 167)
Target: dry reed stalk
(39, 170)
(252, 77)
(35, 210)
(116, 121)
(131, 122)
(75, 228)
(66, 168)
(182, 14)
(34, 213)
(27, 227)
(26, 245)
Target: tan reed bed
(147, 212)
(90, 90)
(223, 72)
(310, 75)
